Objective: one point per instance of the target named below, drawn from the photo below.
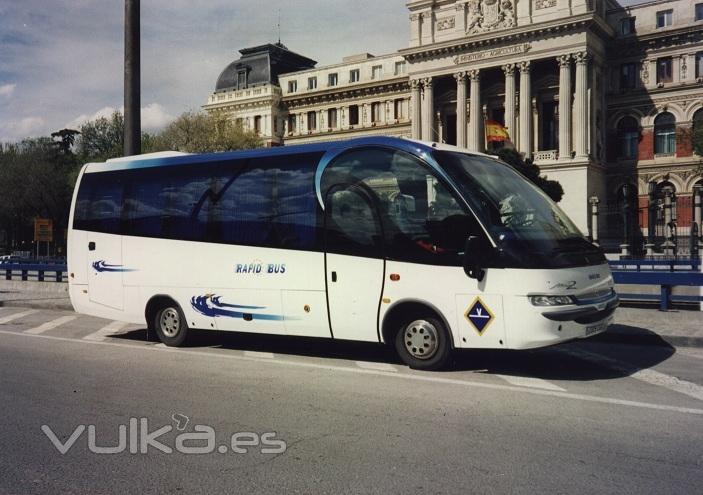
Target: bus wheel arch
(165, 317)
(422, 319)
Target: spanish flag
(495, 132)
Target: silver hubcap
(170, 322)
(421, 339)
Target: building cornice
(518, 34)
(636, 45)
(398, 85)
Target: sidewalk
(642, 326)
(37, 295)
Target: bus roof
(173, 159)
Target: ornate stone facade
(565, 77)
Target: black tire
(423, 343)
(170, 325)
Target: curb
(37, 304)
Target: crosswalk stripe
(368, 365)
(526, 381)
(16, 316)
(106, 331)
(51, 324)
(257, 354)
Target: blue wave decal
(210, 305)
(101, 266)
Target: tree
(527, 168)
(35, 181)
(101, 139)
(67, 137)
(199, 132)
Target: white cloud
(83, 118)
(6, 90)
(154, 117)
(15, 130)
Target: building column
(428, 123)
(581, 106)
(509, 71)
(475, 143)
(416, 102)
(525, 110)
(460, 109)
(564, 107)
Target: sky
(61, 61)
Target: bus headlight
(551, 300)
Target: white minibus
(424, 247)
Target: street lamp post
(132, 94)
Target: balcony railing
(545, 156)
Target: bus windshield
(523, 221)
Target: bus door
(105, 269)
(354, 262)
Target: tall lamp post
(132, 93)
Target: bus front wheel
(170, 325)
(423, 344)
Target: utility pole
(132, 92)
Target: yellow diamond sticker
(479, 316)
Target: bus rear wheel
(423, 344)
(170, 325)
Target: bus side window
(99, 203)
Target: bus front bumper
(555, 325)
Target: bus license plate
(594, 329)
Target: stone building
(599, 95)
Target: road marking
(16, 316)
(263, 355)
(106, 331)
(50, 324)
(644, 375)
(402, 376)
(526, 381)
(367, 365)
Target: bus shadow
(617, 353)
(283, 345)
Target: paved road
(604, 415)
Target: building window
(292, 86)
(628, 76)
(665, 73)
(292, 124)
(241, 79)
(376, 112)
(699, 64)
(665, 134)
(332, 118)
(697, 131)
(550, 130)
(354, 76)
(628, 137)
(664, 18)
(627, 26)
(377, 72)
(699, 11)
(399, 110)
(312, 121)
(354, 115)
(257, 124)
(312, 82)
(400, 68)
(332, 79)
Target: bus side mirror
(477, 252)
